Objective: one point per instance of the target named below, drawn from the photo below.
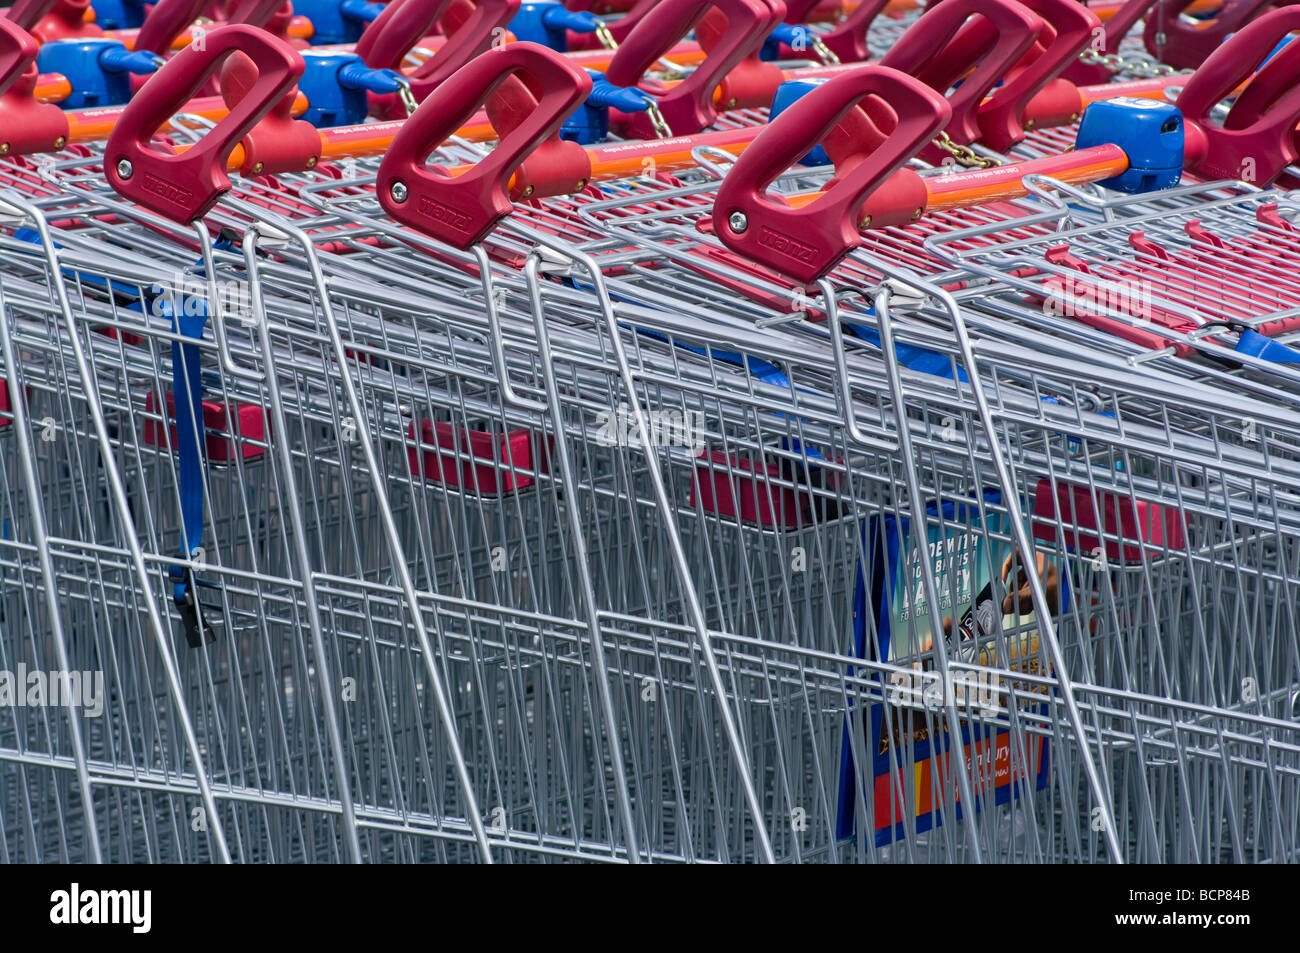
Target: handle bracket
(807, 242)
(185, 186)
(461, 210)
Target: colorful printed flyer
(979, 581)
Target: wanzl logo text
(167, 190)
(444, 213)
(786, 245)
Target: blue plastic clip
(96, 68)
(787, 94)
(118, 14)
(1150, 133)
(591, 123)
(547, 22)
(797, 38)
(335, 83)
(337, 21)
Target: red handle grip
(1187, 45)
(805, 243)
(1106, 40)
(1258, 134)
(688, 107)
(18, 50)
(26, 126)
(1067, 33)
(798, 11)
(750, 83)
(165, 22)
(848, 38)
(621, 28)
(471, 26)
(184, 187)
(393, 34)
(28, 13)
(461, 210)
(257, 12)
(977, 42)
(278, 143)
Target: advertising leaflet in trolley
(907, 775)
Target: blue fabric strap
(1266, 349)
(188, 318)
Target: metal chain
(605, 37)
(404, 93)
(824, 52)
(661, 127)
(1135, 65)
(964, 155)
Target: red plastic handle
(28, 13)
(471, 26)
(184, 187)
(257, 12)
(798, 11)
(1258, 134)
(65, 20)
(18, 50)
(848, 38)
(752, 82)
(1106, 40)
(1068, 32)
(26, 126)
(805, 243)
(461, 210)
(621, 28)
(1187, 44)
(278, 143)
(165, 22)
(393, 34)
(688, 107)
(973, 42)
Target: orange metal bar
(1107, 10)
(979, 187)
(95, 125)
(683, 54)
(982, 186)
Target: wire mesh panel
(597, 541)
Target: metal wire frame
(1272, 508)
(775, 646)
(125, 326)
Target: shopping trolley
(698, 538)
